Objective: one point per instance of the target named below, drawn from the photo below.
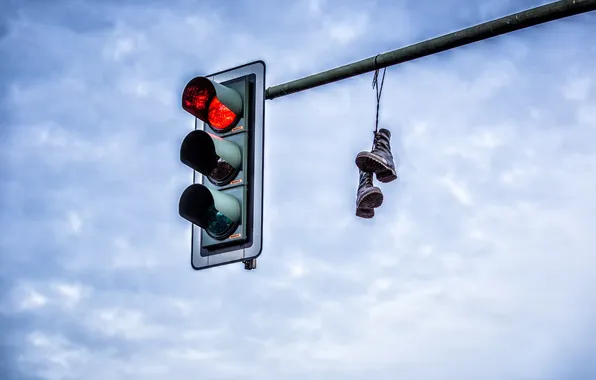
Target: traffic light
(225, 150)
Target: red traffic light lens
(220, 116)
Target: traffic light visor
(216, 212)
(217, 105)
(212, 156)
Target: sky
(478, 265)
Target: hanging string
(379, 88)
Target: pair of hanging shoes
(379, 161)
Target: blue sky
(479, 264)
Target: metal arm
(517, 21)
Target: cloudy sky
(479, 264)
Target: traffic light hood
(217, 105)
(216, 212)
(212, 156)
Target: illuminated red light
(220, 116)
(200, 100)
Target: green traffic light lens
(218, 225)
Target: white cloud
(578, 88)
(459, 191)
(70, 294)
(33, 300)
(75, 222)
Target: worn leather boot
(380, 159)
(368, 196)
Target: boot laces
(375, 139)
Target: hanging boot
(368, 196)
(380, 159)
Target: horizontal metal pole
(517, 21)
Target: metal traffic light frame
(248, 252)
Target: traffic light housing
(226, 152)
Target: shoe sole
(372, 198)
(366, 213)
(367, 162)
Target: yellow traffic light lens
(223, 173)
